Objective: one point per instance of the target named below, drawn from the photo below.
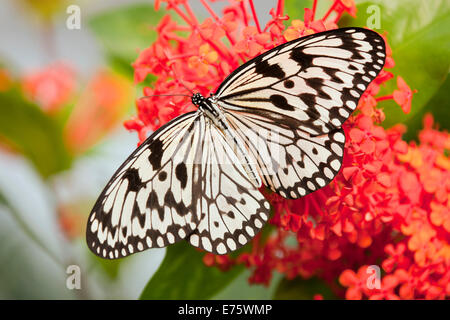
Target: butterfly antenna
(182, 83)
(176, 77)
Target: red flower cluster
(389, 205)
(416, 256)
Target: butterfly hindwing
(152, 199)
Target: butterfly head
(197, 99)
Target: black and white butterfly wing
(291, 162)
(232, 210)
(302, 91)
(184, 182)
(152, 199)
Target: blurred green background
(59, 144)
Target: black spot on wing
(156, 153)
(334, 77)
(308, 98)
(289, 158)
(289, 84)
(137, 213)
(179, 207)
(313, 113)
(269, 70)
(303, 60)
(162, 176)
(280, 102)
(152, 203)
(134, 181)
(181, 174)
(231, 200)
(317, 84)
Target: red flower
(356, 283)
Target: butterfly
(274, 121)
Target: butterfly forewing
(315, 81)
(152, 200)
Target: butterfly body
(276, 120)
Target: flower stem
(244, 13)
(280, 7)
(388, 97)
(210, 10)
(329, 11)
(216, 18)
(182, 15)
(314, 9)
(190, 13)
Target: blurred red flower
(388, 205)
(52, 87)
(103, 102)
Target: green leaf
(241, 289)
(300, 289)
(110, 267)
(182, 275)
(124, 31)
(295, 9)
(36, 135)
(418, 33)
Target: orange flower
(440, 215)
(99, 108)
(201, 62)
(296, 30)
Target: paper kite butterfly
(276, 120)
